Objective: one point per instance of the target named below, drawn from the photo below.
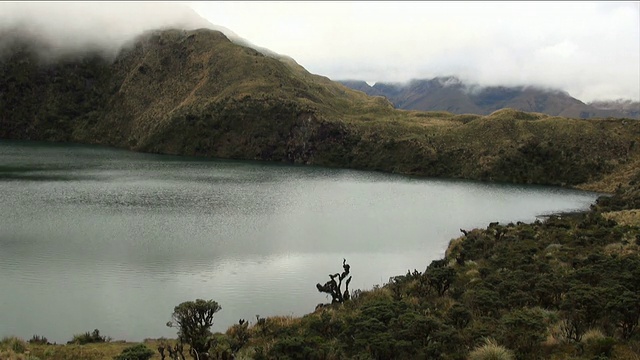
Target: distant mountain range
(452, 95)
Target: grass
(490, 350)
(624, 217)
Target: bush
(89, 337)
(194, 320)
(14, 344)
(523, 329)
(600, 347)
(37, 339)
(136, 352)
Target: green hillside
(197, 93)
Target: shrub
(89, 337)
(490, 350)
(523, 329)
(136, 352)
(599, 347)
(194, 320)
(37, 339)
(14, 344)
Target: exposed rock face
(197, 93)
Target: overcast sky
(590, 49)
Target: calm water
(101, 238)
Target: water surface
(92, 237)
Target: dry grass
(621, 175)
(624, 217)
(455, 245)
(621, 249)
(17, 349)
(284, 321)
(490, 350)
(592, 334)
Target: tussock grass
(592, 334)
(621, 249)
(624, 217)
(490, 350)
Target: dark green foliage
(459, 316)
(89, 337)
(624, 307)
(523, 329)
(194, 320)
(298, 348)
(600, 348)
(440, 276)
(136, 352)
(37, 339)
(238, 335)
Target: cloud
(590, 49)
(63, 28)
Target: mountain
(451, 94)
(198, 93)
(628, 108)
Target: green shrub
(37, 339)
(89, 337)
(136, 352)
(194, 320)
(600, 347)
(523, 329)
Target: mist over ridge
(76, 28)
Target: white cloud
(74, 26)
(590, 49)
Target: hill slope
(450, 94)
(197, 93)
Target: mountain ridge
(197, 93)
(451, 94)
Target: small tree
(194, 320)
(440, 276)
(332, 287)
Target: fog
(76, 27)
(590, 49)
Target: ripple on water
(128, 236)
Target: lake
(100, 238)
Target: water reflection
(93, 237)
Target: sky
(590, 49)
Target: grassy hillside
(196, 93)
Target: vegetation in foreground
(563, 288)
